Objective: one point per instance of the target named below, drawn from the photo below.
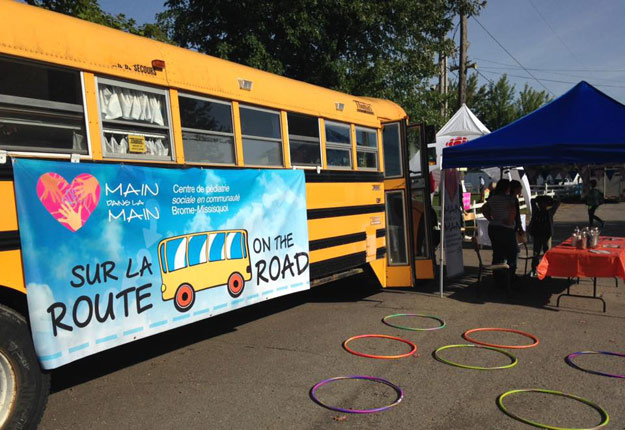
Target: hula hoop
(388, 317)
(569, 360)
(382, 336)
(399, 391)
(509, 330)
(604, 415)
(466, 366)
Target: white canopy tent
(460, 128)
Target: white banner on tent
(452, 224)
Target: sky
(550, 44)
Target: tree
(378, 49)
(529, 100)
(477, 95)
(499, 107)
(90, 10)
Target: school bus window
(304, 140)
(236, 246)
(176, 254)
(262, 136)
(395, 215)
(161, 250)
(392, 151)
(216, 247)
(197, 250)
(367, 148)
(207, 133)
(338, 145)
(41, 108)
(134, 121)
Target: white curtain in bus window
(338, 145)
(304, 143)
(367, 148)
(134, 121)
(262, 137)
(41, 108)
(395, 212)
(207, 133)
(392, 151)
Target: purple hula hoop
(399, 391)
(569, 360)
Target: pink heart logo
(70, 204)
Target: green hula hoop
(604, 415)
(388, 317)
(465, 366)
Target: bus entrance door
(409, 215)
(425, 237)
(399, 265)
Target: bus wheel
(185, 297)
(235, 284)
(24, 386)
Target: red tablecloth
(607, 260)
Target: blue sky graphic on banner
(113, 253)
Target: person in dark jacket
(541, 226)
(594, 199)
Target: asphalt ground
(254, 367)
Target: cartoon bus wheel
(185, 297)
(235, 284)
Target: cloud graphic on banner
(270, 210)
(112, 239)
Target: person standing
(594, 199)
(541, 226)
(500, 211)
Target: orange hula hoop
(509, 330)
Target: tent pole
(441, 193)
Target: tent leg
(441, 193)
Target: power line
(572, 75)
(553, 80)
(513, 57)
(485, 77)
(557, 35)
(554, 70)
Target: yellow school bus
(194, 262)
(74, 90)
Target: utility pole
(442, 81)
(462, 67)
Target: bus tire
(23, 384)
(184, 298)
(235, 284)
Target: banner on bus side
(113, 253)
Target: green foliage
(363, 47)
(529, 100)
(90, 10)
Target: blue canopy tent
(583, 126)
